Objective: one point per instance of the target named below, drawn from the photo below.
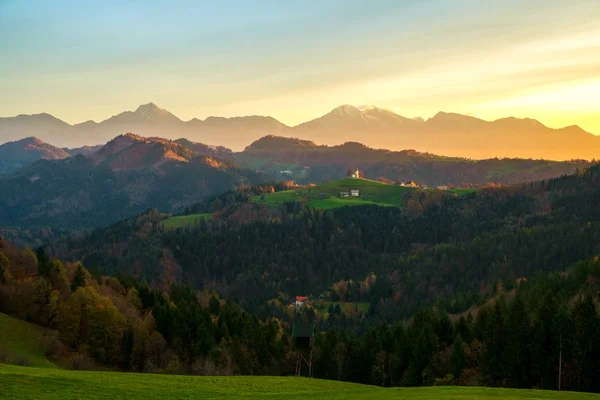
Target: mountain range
(446, 133)
(126, 176)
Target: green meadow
(183, 220)
(371, 192)
(23, 343)
(38, 383)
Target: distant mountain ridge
(446, 133)
(306, 162)
(14, 155)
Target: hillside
(311, 163)
(128, 175)
(13, 155)
(429, 293)
(546, 226)
(327, 195)
(445, 133)
(56, 384)
(23, 343)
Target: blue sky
(81, 60)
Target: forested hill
(306, 162)
(520, 338)
(441, 250)
(83, 193)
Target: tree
(545, 348)
(463, 328)
(495, 346)
(79, 279)
(586, 326)
(48, 301)
(459, 358)
(518, 346)
(4, 272)
(92, 321)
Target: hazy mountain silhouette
(445, 133)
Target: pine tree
(545, 348)
(518, 346)
(79, 278)
(586, 342)
(463, 328)
(495, 343)
(459, 358)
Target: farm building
(354, 193)
(301, 301)
(408, 184)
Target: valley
(299, 200)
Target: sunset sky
(82, 60)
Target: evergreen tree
(79, 278)
(586, 328)
(463, 328)
(546, 344)
(459, 358)
(518, 346)
(494, 365)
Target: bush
(447, 380)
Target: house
(356, 174)
(442, 187)
(408, 184)
(354, 193)
(344, 194)
(301, 301)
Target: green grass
(37, 383)
(371, 192)
(183, 220)
(23, 342)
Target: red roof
(301, 298)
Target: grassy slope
(181, 221)
(30, 383)
(23, 342)
(371, 192)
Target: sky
(88, 60)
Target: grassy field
(37, 383)
(183, 220)
(23, 343)
(371, 192)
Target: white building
(354, 193)
(356, 174)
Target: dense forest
(489, 288)
(520, 338)
(440, 250)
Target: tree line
(519, 338)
